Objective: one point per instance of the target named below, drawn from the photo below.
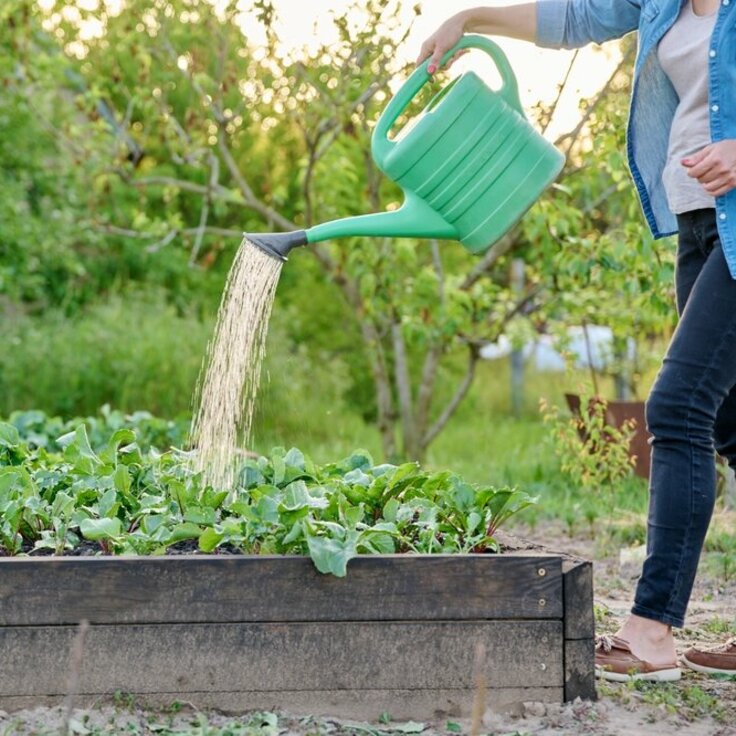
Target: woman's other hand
(441, 41)
(714, 167)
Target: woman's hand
(441, 41)
(714, 167)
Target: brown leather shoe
(615, 661)
(720, 659)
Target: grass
(133, 352)
(720, 626)
(690, 702)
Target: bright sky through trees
(538, 70)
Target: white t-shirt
(683, 55)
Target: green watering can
(470, 164)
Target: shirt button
(723, 214)
(712, 53)
(714, 108)
(726, 2)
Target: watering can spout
(278, 245)
(415, 218)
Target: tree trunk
(382, 383)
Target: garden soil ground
(696, 706)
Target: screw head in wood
(542, 602)
(541, 572)
(543, 666)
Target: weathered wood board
(398, 634)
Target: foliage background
(131, 161)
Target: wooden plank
(579, 617)
(364, 705)
(579, 630)
(207, 588)
(185, 658)
(580, 669)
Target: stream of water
(228, 384)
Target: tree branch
(456, 400)
(508, 242)
(426, 388)
(560, 91)
(169, 237)
(253, 202)
(205, 213)
(403, 385)
(382, 384)
(574, 134)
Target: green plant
(719, 625)
(593, 454)
(112, 495)
(721, 549)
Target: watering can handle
(381, 143)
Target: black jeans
(691, 412)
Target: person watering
(681, 141)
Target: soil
(696, 706)
(87, 549)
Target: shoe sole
(671, 675)
(706, 670)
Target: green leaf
(279, 469)
(472, 522)
(408, 727)
(9, 436)
(391, 509)
(78, 451)
(118, 438)
(200, 515)
(97, 529)
(294, 534)
(121, 479)
(108, 504)
(295, 459)
(331, 555)
(360, 459)
(185, 531)
(63, 505)
(296, 496)
(151, 522)
(209, 539)
(407, 470)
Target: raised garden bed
(397, 634)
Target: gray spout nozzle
(278, 245)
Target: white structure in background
(543, 356)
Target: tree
(208, 135)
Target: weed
(123, 700)
(604, 617)
(718, 625)
(690, 702)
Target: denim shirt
(574, 23)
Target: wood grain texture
(577, 578)
(364, 705)
(223, 589)
(580, 669)
(222, 658)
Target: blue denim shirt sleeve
(573, 23)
